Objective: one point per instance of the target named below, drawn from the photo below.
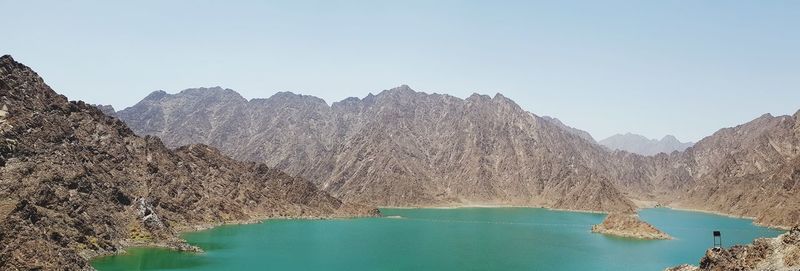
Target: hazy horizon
(650, 68)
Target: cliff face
(75, 183)
(780, 254)
(397, 148)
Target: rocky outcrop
(629, 226)
(779, 254)
(398, 148)
(641, 145)
(106, 109)
(75, 183)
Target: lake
(445, 239)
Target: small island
(629, 226)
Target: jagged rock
(775, 254)
(683, 267)
(107, 109)
(75, 183)
(630, 226)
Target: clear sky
(685, 68)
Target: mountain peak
(766, 116)
(477, 97)
(401, 90)
(155, 95)
(670, 138)
(17, 75)
(291, 96)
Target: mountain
(75, 183)
(407, 148)
(578, 132)
(397, 148)
(751, 170)
(641, 145)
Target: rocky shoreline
(180, 244)
(781, 253)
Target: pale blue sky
(685, 68)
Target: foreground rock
(75, 183)
(775, 254)
(629, 226)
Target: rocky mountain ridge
(75, 183)
(572, 130)
(407, 148)
(641, 145)
(397, 148)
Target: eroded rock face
(75, 183)
(397, 148)
(779, 254)
(629, 226)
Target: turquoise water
(445, 239)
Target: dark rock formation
(75, 183)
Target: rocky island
(629, 226)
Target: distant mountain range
(397, 148)
(407, 148)
(641, 145)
